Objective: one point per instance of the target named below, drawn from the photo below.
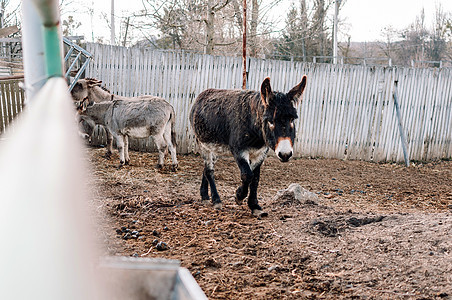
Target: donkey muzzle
(284, 149)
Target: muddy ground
(373, 231)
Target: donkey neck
(97, 94)
(257, 110)
(98, 112)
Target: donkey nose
(285, 156)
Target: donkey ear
(266, 91)
(93, 82)
(295, 93)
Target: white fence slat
(420, 114)
(414, 96)
(348, 112)
(446, 137)
(340, 99)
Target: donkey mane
(105, 89)
(94, 79)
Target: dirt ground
(374, 231)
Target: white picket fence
(347, 111)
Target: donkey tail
(173, 128)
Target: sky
(366, 18)
(363, 20)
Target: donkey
(90, 88)
(138, 119)
(247, 123)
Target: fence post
(399, 122)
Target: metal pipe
(43, 49)
(49, 11)
(68, 54)
(77, 47)
(72, 65)
(33, 50)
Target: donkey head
(81, 89)
(279, 116)
(81, 105)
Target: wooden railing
(11, 99)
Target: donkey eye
(271, 125)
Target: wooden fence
(347, 111)
(11, 101)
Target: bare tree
(9, 13)
(307, 31)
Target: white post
(33, 50)
(112, 36)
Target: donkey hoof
(107, 155)
(218, 205)
(238, 201)
(159, 166)
(239, 196)
(259, 213)
(120, 166)
(174, 167)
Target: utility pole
(112, 36)
(244, 46)
(337, 3)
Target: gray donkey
(90, 88)
(138, 119)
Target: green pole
(52, 55)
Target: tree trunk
(253, 28)
(210, 30)
(304, 27)
(238, 14)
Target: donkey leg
(204, 190)
(256, 210)
(161, 147)
(171, 147)
(109, 144)
(120, 144)
(246, 175)
(126, 149)
(209, 166)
